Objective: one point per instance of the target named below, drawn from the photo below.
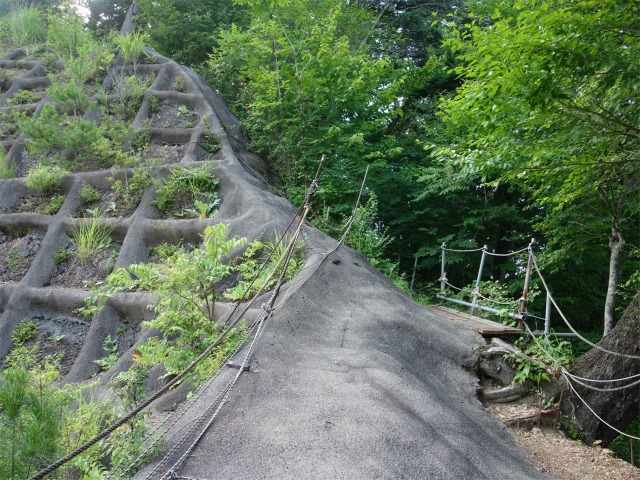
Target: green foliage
(45, 134)
(179, 85)
(67, 35)
(184, 287)
(130, 47)
(8, 126)
(154, 104)
(24, 331)
(129, 92)
(306, 89)
(166, 250)
(89, 236)
(535, 365)
(131, 177)
(37, 426)
(46, 180)
(88, 193)
(7, 169)
(621, 444)
(259, 261)
(22, 97)
(25, 25)
(54, 205)
(367, 236)
(547, 107)
(13, 260)
(209, 142)
(111, 347)
(198, 183)
(30, 420)
(61, 255)
(184, 29)
(71, 92)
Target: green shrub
(46, 180)
(196, 182)
(13, 260)
(534, 365)
(22, 97)
(24, 331)
(7, 170)
(67, 35)
(111, 347)
(131, 47)
(90, 237)
(185, 309)
(131, 179)
(154, 104)
(8, 126)
(42, 129)
(178, 84)
(166, 250)
(129, 92)
(37, 426)
(254, 259)
(54, 205)
(69, 93)
(61, 255)
(88, 193)
(209, 142)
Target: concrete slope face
(351, 379)
(354, 380)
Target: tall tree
(107, 15)
(549, 103)
(186, 30)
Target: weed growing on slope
(255, 257)
(90, 237)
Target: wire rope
(506, 254)
(594, 413)
(625, 355)
(480, 295)
(461, 251)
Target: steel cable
(625, 355)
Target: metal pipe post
(442, 272)
(477, 290)
(547, 318)
(413, 277)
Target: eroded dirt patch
(72, 273)
(110, 205)
(565, 459)
(173, 116)
(159, 153)
(59, 334)
(16, 255)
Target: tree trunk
(616, 243)
(616, 408)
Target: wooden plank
(480, 325)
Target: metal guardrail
(517, 316)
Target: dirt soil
(31, 204)
(110, 205)
(165, 153)
(59, 334)
(554, 452)
(183, 207)
(73, 274)
(168, 116)
(16, 255)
